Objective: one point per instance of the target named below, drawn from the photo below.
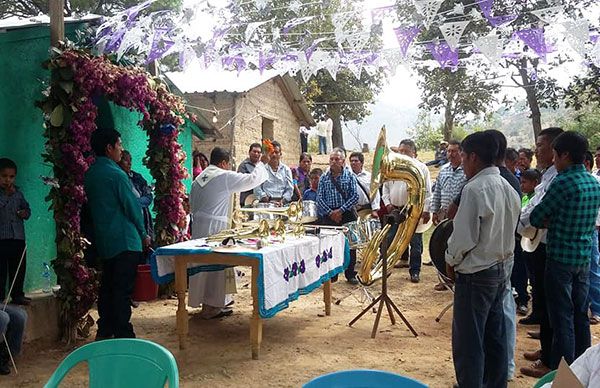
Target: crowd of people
(515, 226)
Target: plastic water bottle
(46, 281)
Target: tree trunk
(337, 136)
(529, 85)
(448, 118)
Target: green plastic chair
(117, 363)
(548, 377)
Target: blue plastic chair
(117, 363)
(363, 378)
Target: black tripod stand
(394, 218)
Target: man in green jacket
(119, 233)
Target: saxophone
(392, 166)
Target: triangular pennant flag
(251, 29)
(377, 14)
(355, 68)
(489, 46)
(428, 9)
(578, 34)
(548, 15)
(486, 7)
(502, 20)
(444, 55)
(595, 53)
(391, 58)
(453, 31)
(333, 64)
(534, 38)
(357, 41)
(305, 68)
(405, 36)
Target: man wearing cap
(395, 196)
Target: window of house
(267, 128)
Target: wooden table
(181, 264)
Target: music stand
(384, 298)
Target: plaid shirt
(11, 225)
(447, 186)
(570, 206)
(329, 198)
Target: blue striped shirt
(329, 198)
(12, 226)
(447, 186)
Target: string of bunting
(294, 48)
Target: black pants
(348, 216)
(519, 277)
(539, 292)
(304, 142)
(10, 254)
(116, 287)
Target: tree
(457, 93)
(584, 90)
(344, 98)
(28, 8)
(425, 135)
(540, 90)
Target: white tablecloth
(286, 270)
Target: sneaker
(522, 309)
(529, 320)
(440, 287)
(353, 280)
(533, 356)
(594, 320)
(537, 369)
(414, 278)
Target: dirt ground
(298, 344)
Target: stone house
(245, 108)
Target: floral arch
(78, 77)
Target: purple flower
(286, 274)
(318, 261)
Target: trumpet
(293, 212)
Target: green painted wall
(21, 126)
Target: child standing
(14, 209)
(310, 194)
(529, 179)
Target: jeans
(595, 277)
(510, 319)
(10, 255)
(518, 278)
(348, 216)
(322, 144)
(567, 302)
(478, 329)
(540, 296)
(12, 325)
(114, 297)
(414, 253)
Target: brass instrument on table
(392, 166)
(293, 211)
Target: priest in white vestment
(210, 201)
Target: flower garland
(70, 113)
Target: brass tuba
(392, 166)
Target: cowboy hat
(531, 244)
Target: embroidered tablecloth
(286, 269)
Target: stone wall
(247, 112)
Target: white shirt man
(363, 180)
(279, 186)
(395, 195)
(210, 202)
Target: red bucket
(145, 289)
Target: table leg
(327, 297)
(182, 313)
(255, 321)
